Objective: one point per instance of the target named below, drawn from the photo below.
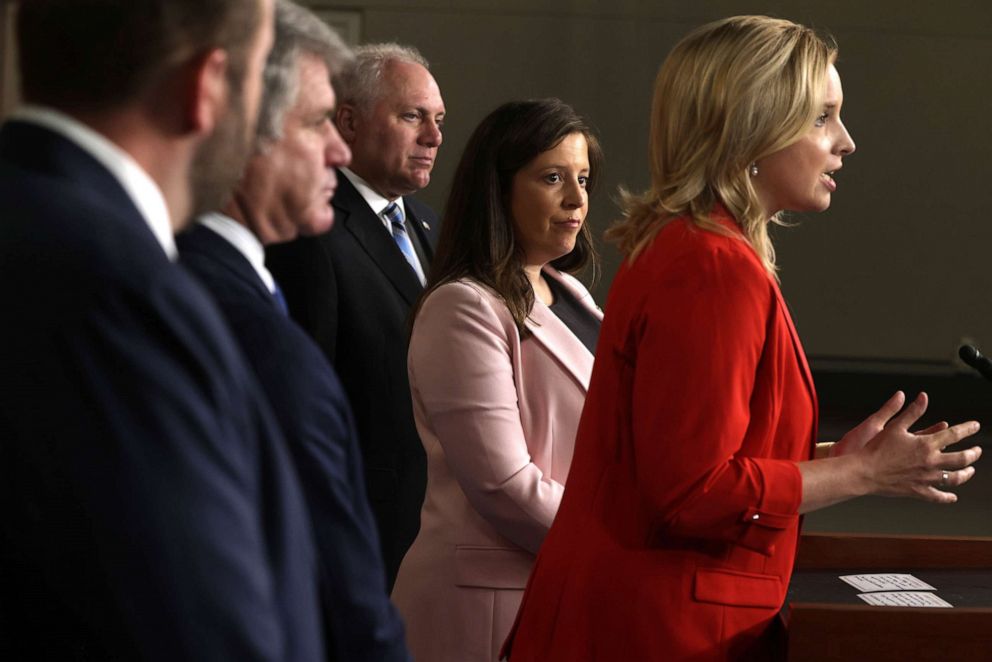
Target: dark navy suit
(148, 507)
(316, 420)
(352, 290)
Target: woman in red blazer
(694, 457)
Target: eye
(583, 181)
(822, 119)
(552, 178)
(410, 116)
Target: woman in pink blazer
(500, 358)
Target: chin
(317, 226)
(419, 181)
(822, 205)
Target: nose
(575, 195)
(430, 134)
(845, 145)
(336, 151)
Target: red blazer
(677, 531)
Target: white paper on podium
(886, 581)
(904, 599)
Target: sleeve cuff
(779, 507)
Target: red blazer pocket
(738, 589)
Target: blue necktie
(395, 216)
(280, 299)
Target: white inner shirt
(244, 240)
(378, 205)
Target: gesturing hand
(857, 437)
(897, 462)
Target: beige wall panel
(9, 95)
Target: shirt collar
(244, 240)
(375, 201)
(139, 186)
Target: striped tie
(394, 214)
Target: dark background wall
(897, 269)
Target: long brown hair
(477, 239)
(730, 93)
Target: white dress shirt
(244, 240)
(378, 205)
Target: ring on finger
(943, 478)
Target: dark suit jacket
(315, 418)
(148, 507)
(352, 290)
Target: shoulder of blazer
(729, 243)
(466, 288)
(445, 298)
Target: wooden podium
(825, 620)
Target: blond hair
(731, 92)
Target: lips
(828, 181)
(569, 223)
(422, 160)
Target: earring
(753, 169)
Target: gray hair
(298, 31)
(359, 84)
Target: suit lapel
(721, 215)
(800, 353)
(423, 233)
(357, 218)
(549, 331)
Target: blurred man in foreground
(148, 507)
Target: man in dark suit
(285, 191)
(353, 288)
(148, 506)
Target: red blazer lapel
(801, 358)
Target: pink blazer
(497, 417)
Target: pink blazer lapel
(559, 341)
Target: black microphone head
(969, 354)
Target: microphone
(974, 358)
